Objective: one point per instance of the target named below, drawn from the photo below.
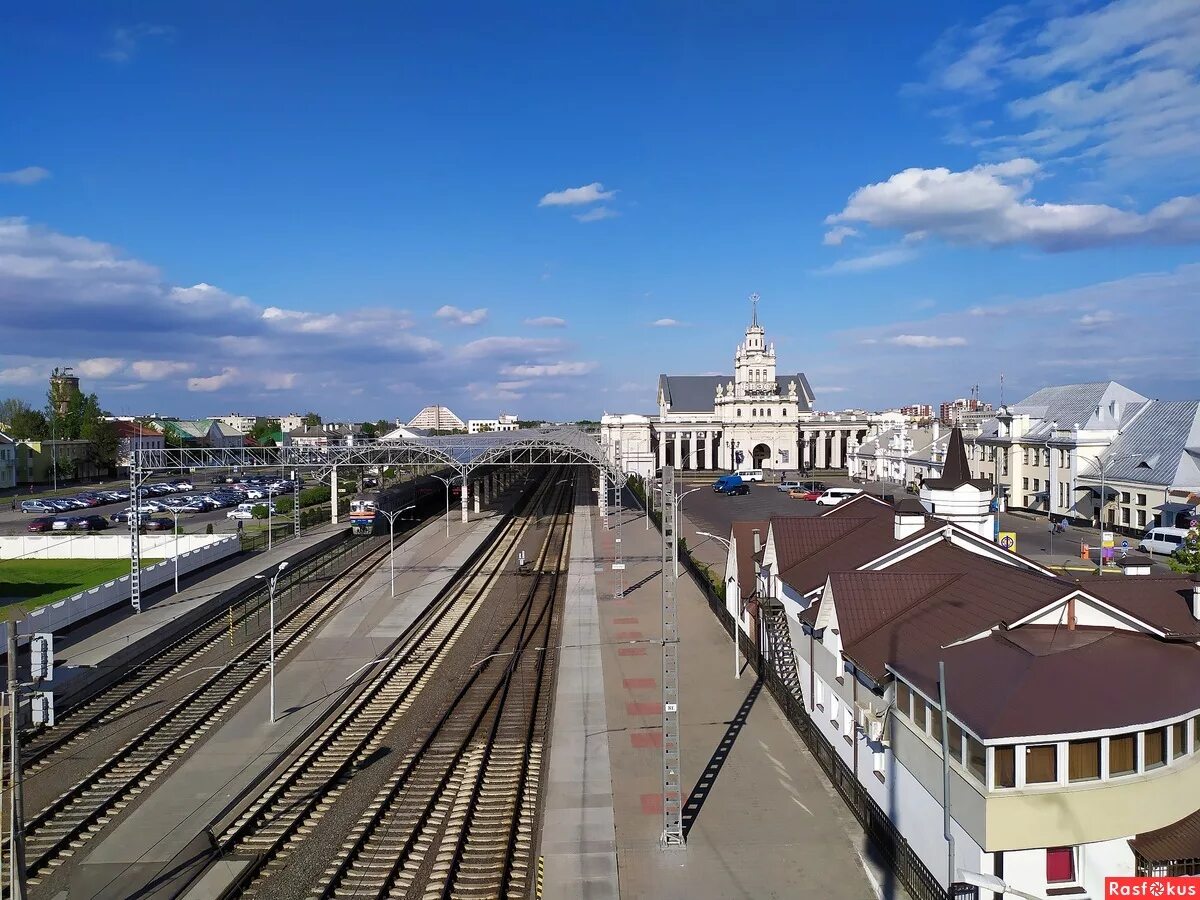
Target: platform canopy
(462, 452)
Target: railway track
(86, 807)
(484, 745)
(41, 747)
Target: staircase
(779, 649)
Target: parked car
(802, 493)
(787, 487)
(181, 484)
(751, 474)
(834, 496)
(158, 525)
(64, 523)
(91, 523)
(38, 525)
(37, 506)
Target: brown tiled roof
(743, 535)
(1163, 601)
(1177, 841)
(809, 548)
(859, 506)
(965, 594)
(132, 429)
(956, 470)
(1046, 679)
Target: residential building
(1054, 451)
(133, 437)
(290, 423)
(505, 422)
(437, 418)
(37, 461)
(8, 462)
(918, 410)
(1070, 711)
(202, 432)
(952, 411)
(244, 424)
(309, 436)
(752, 419)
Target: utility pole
(16, 856)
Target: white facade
(290, 423)
(244, 424)
(754, 419)
(506, 422)
(439, 418)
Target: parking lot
(190, 521)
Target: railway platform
(158, 848)
(90, 652)
(760, 818)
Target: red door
(1060, 864)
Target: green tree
(1187, 557)
(104, 442)
(261, 431)
(383, 426)
(368, 429)
(26, 423)
(312, 419)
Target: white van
(751, 475)
(834, 496)
(1162, 540)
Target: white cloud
(666, 323)
(124, 42)
(546, 322)
(502, 347)
(1118, 82)
(546, 370)
(214, 382)
(926, 341)
(99, 367)
(158, 369)
(279, 381)
(580, 196)
(988, 205)
(880, 259)
(1096, 319)
(26, 176)
(22, 375)
(597, 214)
(456, 316)
(835, 236)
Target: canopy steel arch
(464, 454)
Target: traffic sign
(1107, 539)
(1008, 540)
(1125, 544)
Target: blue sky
(205, 208)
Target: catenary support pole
(946, 820)
(17, 889)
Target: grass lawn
(36, 582)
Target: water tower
(64, 386)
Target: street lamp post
(175, 515)
(271, 584)
(992, 883)
(741, 607)
(447, 482)
(1102, 465)
(391, 517)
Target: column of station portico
(822, 446)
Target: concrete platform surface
(155, 845)
(761, 819)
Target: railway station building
(754, 418)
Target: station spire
(753, 309)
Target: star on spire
(754, 309)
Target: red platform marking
(639, 684)
(646, 740)
(628, 635)
(631, 651)
(626, 620)
(652, 804)
(644, 709)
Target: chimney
(757, 542)
(1196, 595)
(937, 430)
(907, 524)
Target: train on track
(425, 492)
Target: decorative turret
(957, 497)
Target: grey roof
(698, 393)
(1160, 447)
(1070, 404)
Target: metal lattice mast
(135, 533)
(295, 503)
(672, 835)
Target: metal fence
(894, 850)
